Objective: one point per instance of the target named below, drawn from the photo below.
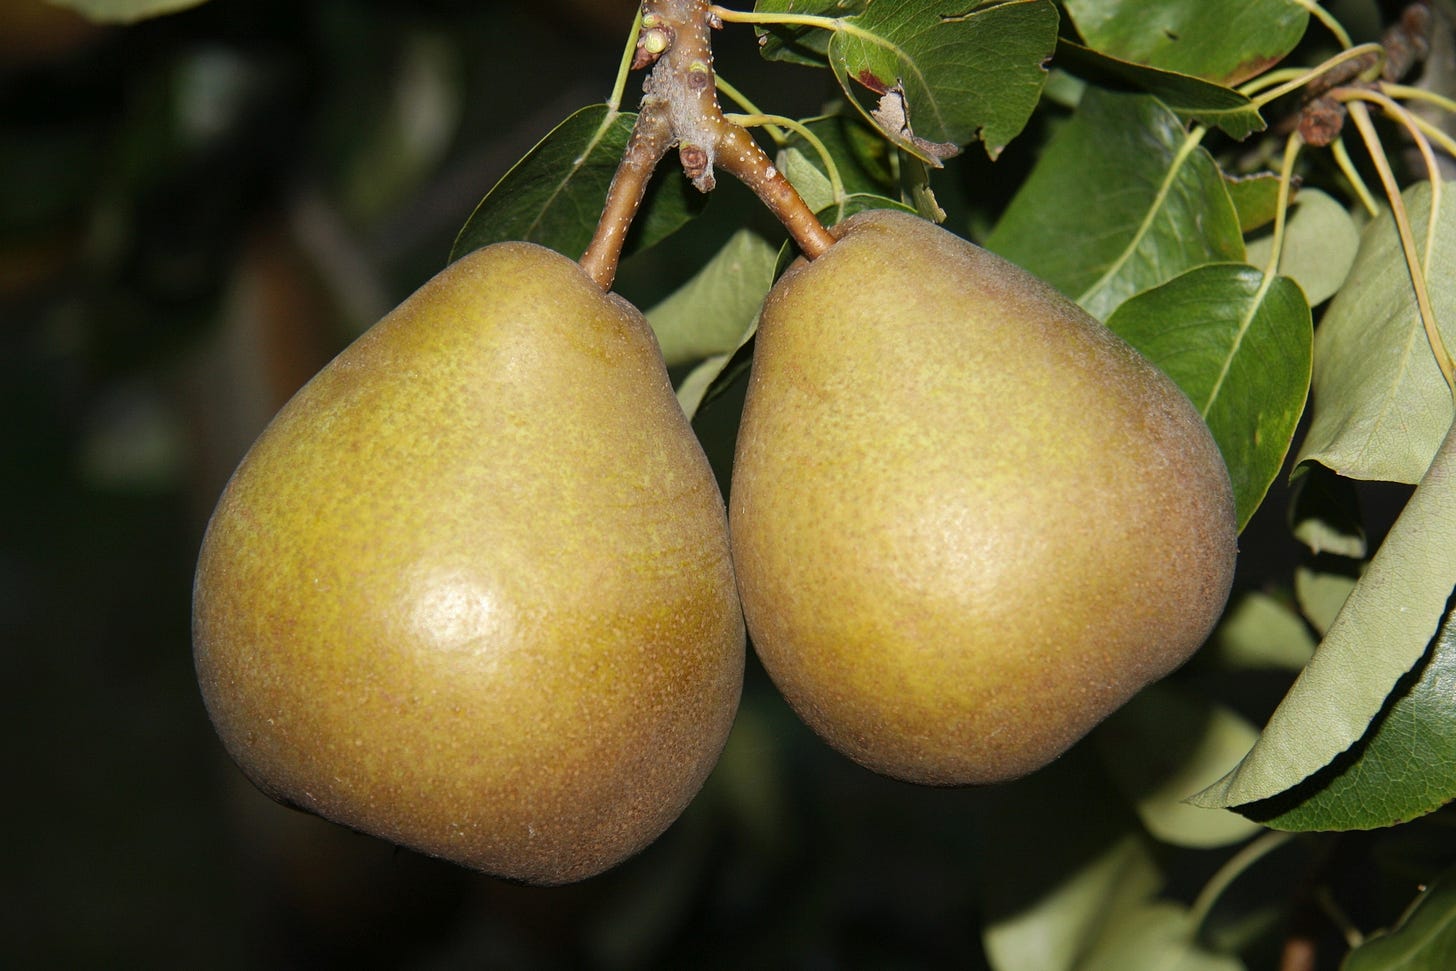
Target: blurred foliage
(195, 213)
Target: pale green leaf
(1258, 631)
(1053, 886)
(1424, 940)
(807, 178)
(1229, 41)
(710, 378)
(124, 11)
(1122, 199)
(1381, 405)
(1167, 744)
(1158, 937)
(1382, 632)
(1319, 246)
(858, 152)
(714, 311)
(1322, 587)
(554, 195)
(1404, 767)
(965, 75)
(1239, 345)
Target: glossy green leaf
(554, 195)
(1424, 940)
(1257, 631)
(125, 11)
(1122, 199)
(1159, 937)
(713, 312)
(1191, 98)
(795, 43)
(1381, 633)
(1054, 885)
(1381, 405)
(963, 75)
(1404, 767)
(1320, 244)
(1167, 744)
(1228, 42)
(1239, 345)
(1255, 197)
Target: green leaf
(1166, 744)
(1227, 42)
(795, 43)
(977, 74)
(1404, 767)
(124, 11)
(1158, 937)
(1320, 244)
(1424, 940)
(1193, 99)
(1257, 631)
(1381, 405)
(712, 312)
(865, 162)
(555, 194)
(1239, 345)
(1053, 885)
(1256, 197)
(1382, 632)
(1122, 199)
(1322, 586)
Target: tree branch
(680, 107)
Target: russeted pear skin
(968, 521)
(470, 591)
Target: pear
(470, 591)
(968, 520)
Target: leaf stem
(1411, 93)
(1232, 869)
(1357, 183)
(1281, 212)
(1355, 100)
(1343, 67)
(1328, 19)
(619, 87)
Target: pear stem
(680, 107)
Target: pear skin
(470, 591)
(968, 521)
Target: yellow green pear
(968, 520)
(471, 590)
